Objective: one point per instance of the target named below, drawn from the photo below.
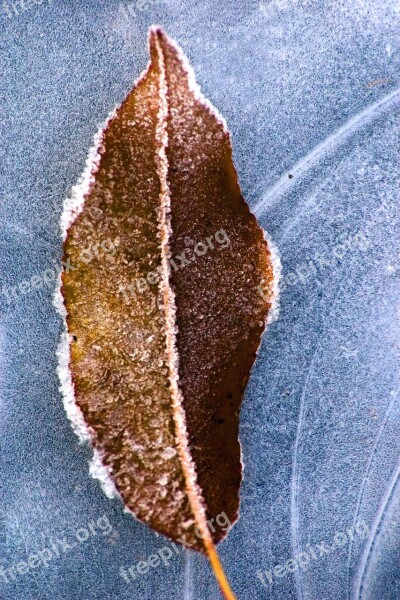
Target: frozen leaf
(167, 285)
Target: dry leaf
(164, 327)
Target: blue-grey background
(308, 88)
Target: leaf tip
(156, 33)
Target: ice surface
(309, 89)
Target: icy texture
(321, 417)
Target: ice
(307, 88)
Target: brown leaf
(164, 328)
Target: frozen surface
(310, 89)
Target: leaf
(167, 285)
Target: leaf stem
(218, 570)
